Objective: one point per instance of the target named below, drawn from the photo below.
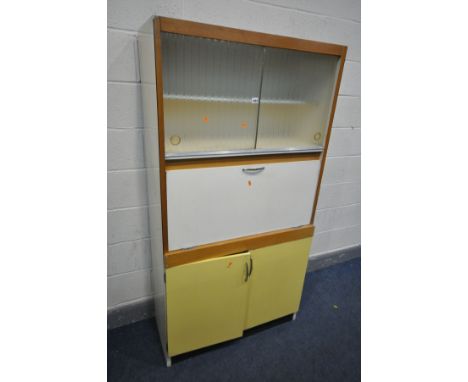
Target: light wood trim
(329, 131)
(233, 246)
(221, 162)
(160, 109)
(248, 37)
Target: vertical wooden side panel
(327, 139)
(159, 94)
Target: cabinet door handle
(251, 267)
(246, 272)
(253, 170)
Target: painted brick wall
(338, 217)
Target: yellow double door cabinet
(215, 300)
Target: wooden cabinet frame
(164, 24)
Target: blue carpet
(322, 344)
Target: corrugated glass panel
(296, 96)
(211, 89)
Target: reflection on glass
(296, 96)
(208, 90)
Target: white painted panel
(212, 204)
(150, 112)
(153, 189)
(147, 59)
(146, 55)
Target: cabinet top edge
(192, 28)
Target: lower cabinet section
(215, 300)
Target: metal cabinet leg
(168, 361)
(294, 316)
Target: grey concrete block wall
(338, 215)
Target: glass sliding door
(296, 96)
(211, 91)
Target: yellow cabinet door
(206, 302)
(276, 281)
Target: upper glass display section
(223, 98)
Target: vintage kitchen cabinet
(236, 127)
